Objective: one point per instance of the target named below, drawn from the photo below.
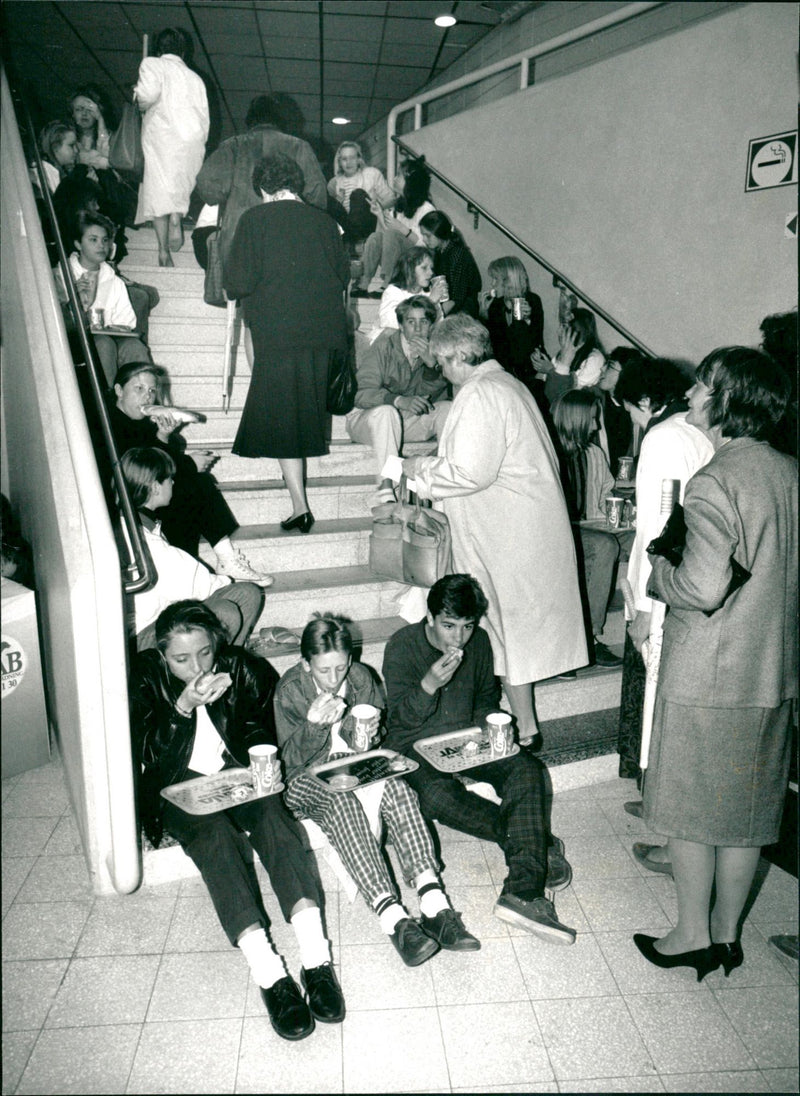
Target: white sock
(314, 948)
(390, 917)
(265, 964)
(434, 900)
(224, 548)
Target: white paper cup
(501, 733)
(264, 768)
(613, 506)
(362, 714)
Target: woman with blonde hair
(514, 338)
(361, 191)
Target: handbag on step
(125, 149)
(342, 385)
(409, 544)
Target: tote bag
(125, 150)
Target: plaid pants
(518, 824)
(341, 817)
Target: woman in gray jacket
(719, 756)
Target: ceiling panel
(376, 52)
(288, 24)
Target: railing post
(523, 73)
(417, 115)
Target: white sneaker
(239, 568)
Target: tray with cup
(217, 792)
(361, 769)
(454, 751)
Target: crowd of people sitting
(528, 449)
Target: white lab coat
(496, 473)
(174, 133)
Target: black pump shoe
(703, 960)
(730, 956)
(303, 522)
(289, 1014)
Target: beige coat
(497, 476)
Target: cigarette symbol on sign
(779, 152)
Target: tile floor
(143, 994)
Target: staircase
(328, 568)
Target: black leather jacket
(163, 739)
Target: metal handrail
(523, 59)
(139, 555)
(476, 208)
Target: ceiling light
(445, 21)
(339, 121)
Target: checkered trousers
(518, 824)
(341, 817)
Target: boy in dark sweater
(439, 677)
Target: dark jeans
(216, 843)
(600, 556)
(197, 510)
(518, 824)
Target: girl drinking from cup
(315, 721)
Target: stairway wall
(629, 176)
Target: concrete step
(200, 333)
(353, 592)
(337, 542)
(221, 423)
(592, 689)
(145, 258)
(180, 281)
(344, 459)
(267, 501)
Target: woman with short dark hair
(288, 267)
(721, 741)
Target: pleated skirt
(718, 776)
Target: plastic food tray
(447, 752)
(362, 769)
(217, 792)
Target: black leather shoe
(447, 929)
(303, 522)
(324, 993)
(288, 1012)
(412, 942)
(605, 658)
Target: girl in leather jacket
(197, 705)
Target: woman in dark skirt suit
(719, 755)
(288, 267)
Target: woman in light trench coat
(496, 474)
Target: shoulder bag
(125, 148)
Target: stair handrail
(474, 207)
(138, 553)
(523, 59)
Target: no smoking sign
(772, 161)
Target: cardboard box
(24, 730)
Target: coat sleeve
(148, 87)
(703, 578)
(476, 448)
(254, 684)
(243, 272)
(315, 192)
(215, 179)
(370, 375)
(300, 740)
(409, 705)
